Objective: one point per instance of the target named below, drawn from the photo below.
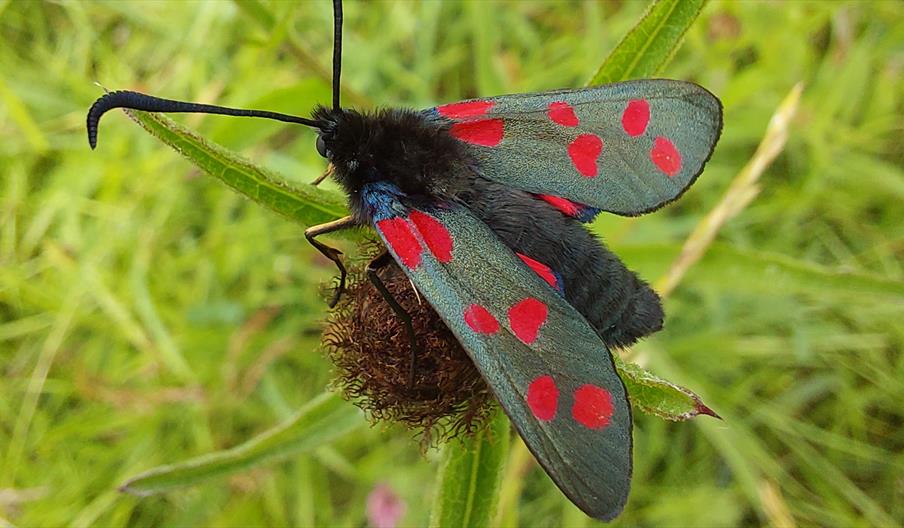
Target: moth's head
(327, 122)
(396, 145)
(330, 122)
(345, 138)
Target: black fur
(417, 154)
(619, 306)
(396, 145)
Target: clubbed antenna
(148, 103)
(337, 50)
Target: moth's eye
(321, 147)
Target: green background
(148, 314)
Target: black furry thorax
(407, 148)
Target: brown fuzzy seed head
(371, 350)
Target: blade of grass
(724, 263)
(740, 193)
(795, 274)
(321, 421)
(20, 114)
(49, 349)
(775, 506)
(519, 463)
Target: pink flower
(384, 507)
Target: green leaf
(653, 395)
(468, 483)
(647, 48)
(305, 204)
(321, 421)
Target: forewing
(545, 364)
(627, 148)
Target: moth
(482, 204)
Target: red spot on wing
(584, 151)
(526, 317)
(666, 156)
(397, 232)
(592, 406)
(566, 206)
(435, 234)
(562, 113)
(544, 271)
(480, 320)
(485, 132)
(465, 109)
(636, 116)
(543, 397)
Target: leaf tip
(702, 408)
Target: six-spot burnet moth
(481, 204)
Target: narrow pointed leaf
(651, 394)
(305, 204)
(647, 48)
(321, 421)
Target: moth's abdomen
(617, 303)
(619, 306)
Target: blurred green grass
(148, 314)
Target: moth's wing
(627, 148)
(548, 368)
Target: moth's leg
(326, 172)
(320, 178)
(330, 252)
(376, 264)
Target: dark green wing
(627, 148)
(547, 367)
